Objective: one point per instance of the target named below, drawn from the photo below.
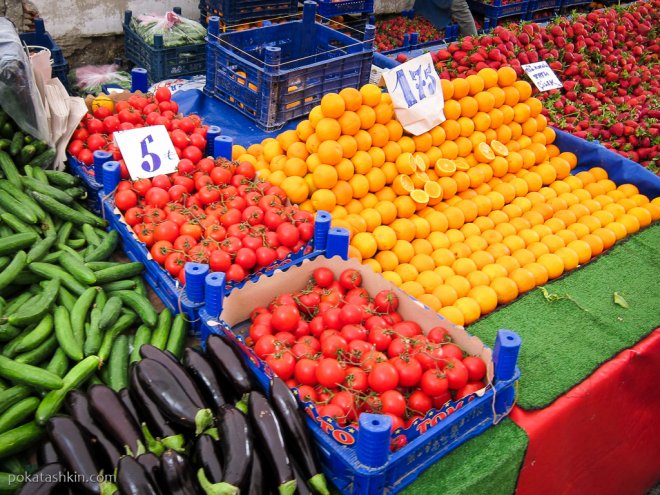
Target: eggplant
(154, 421)
(151, 463)
(301, 485)
(77, 405)
(133, 478)
(170, 396)
(125, 398)
(268, 433)
(71, 443)
(208, 460)
(113, 417)
(177, 474)
(202, 372)
(46, 454)
(230, 364)
(297, 434)
(257, 476)
(48, 480)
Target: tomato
(215, 232)
(166, 231)
(468, 389)
(350, 314)
(157, 197)
(198, 141)
(381, 338)
(75, 147)
(409, 370)
(192, 153)
(430, 357)
(163, 94)
(246, 258)
(154, 215)
(253, 215)
(125, 200)
(333, 411)
(179, 139)
(174, 263)
(316, 326)
(305, 371)
(438, 335)
(307, 393)
(440, 400)
(162, 181)
(283, 364)
(476, 368)
(356, 379)
(331, 318)
(230, 217)
(407, 329)
(231, 245)
(265, 346)
(246, 169)
(346, 401)
(457, 374)
(354, 332)
(285, 318)
(393, 402)
(160, 250)
(184, 243)
(330, 373)
(371, 358)
(287, 234)
(306, 231)
(185, 166)
(208, 194)
(434, 383)
(323, 277)
(96, 142)
(258, 330)
(334, 346)
(386, 301)
(235, 273)
(133, 216)
(194, 230)
(94, 126)
(199, 254)
(383, 376)
(398, 346)
(265, 256)
(375, 322)
(419, 402)
(452, 351)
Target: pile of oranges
(467, 216)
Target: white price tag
(543, 77)
(147, 151)
(416, 94)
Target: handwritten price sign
(147, 151)
(543, 77)
(416, 94)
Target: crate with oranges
(466, 216)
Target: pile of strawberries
(390, 31)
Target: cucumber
(41, 146)
(90, 235)
(39, 175)
(28, 375)
(23, 199)
(14, 465)
(12, 205)
(17, 225)
(123, 323)
(141, 305)
(140, 286)
(39, 249)
(20, 439)
(64, 232)
(66, 299)
(101, 299)
(47, 270)
(28, 171)
(64, 333)
(18, 414)
(7, 130)
(38, 354)
(37, 186)
(80, 311)
(76, 267)
(120, 285)
(5, 231)
(78, 375)
(76, 192)
(59, 363)
(4, 143)
(8, 483)
(9, 169)
(51, 257)
(162, 331)
(34, 312)
(93, 334)
(105, 248)
(142, 336)
(73, 244)
(125, 270)
(12, 270)
(3, 386)
(118, 364)
(13, 395)
(30, 340)
(4, 262)
(16, 242)
(44, 159)
(27, 153)
(61, 179)
(65, 212)
(177, 337)
(101, 265)
(110, 313)
(16, 143)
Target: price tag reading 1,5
(147, 151)
(543, 77)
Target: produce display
(607, 60)
(174, 29)
(21, 147)
(350, 352)
(464, 217)
(216, 212)
(390, 31)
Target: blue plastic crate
(537, 5)
(360, 462)
(351, 25)
(277, 73)
(41, 39)
(88, 177)
(241, 11)
(496, 10)
(162, 63)
(328, 8)
(411, 43)
(569, 4)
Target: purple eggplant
(133, 478)
(48, 480)
(202, 372)
(177, 474)
(151, 463)
(229, 364)
(46, 454)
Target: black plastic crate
(497, 9)
(40, 39)
(241, 11)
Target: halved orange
(433, 189)
(402, 185)
(445, 167)
(499, 148)
(484, 153)
(462, 164)
(420, 164)
(419, 196)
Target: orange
(506, 76)
(323, 199)
(403, 251)
(343, 192)
(467, 126)
(524, 256)
(607, 237)
(405, 206)
(476, 84)
(539, 271)
(328, 129)
(469, 106)
(354, 252)
(446, 294)
(642, 214)
(461, 88)
(511, 96)
(384, 113)
(494, 270)
(367, 116)
(422, 262)
(363, 139)
(470, 309)
(630, 222)
(332, 105)
(461, 249)
(482, 258)
(488, 76)
(377, 179)
(567, 236)
(463, 266)
(553, 263)
(508, 262)
(350, 123)
(478, 278)
(452, 314)
(505, 288)
(459, 283)
(362, 162)
(484, 153)
(407, 272)
(499, 95)
(455, 217)
(304, 129)
(352, 98)
(569, 257)
(447, 89)
(330, 153)
(360, 185)
(371, 95)
(379, 135)
(423, 142)
(395, 129)
(422, 245)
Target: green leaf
(618, 299)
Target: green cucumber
(3, 386)
(30, 340)
(120, 285)
(177, 337)
(12, 270)
(76, 267)
(64, 232)
(23, 199)
(5, 231)
(8, 483)
(11, 205)
(17, 225)
(7, 130)
(61, 179)
(59, 363)
(142, 336)
(140, 286)
(93, 334)
(28, 375)
(74, 244)
(65, 212)
(64, 333)
(80, 311)
(90, 235)
(41, 146)
(141, 305)
(101, 265)
(76, 376)
(105, 248)
(125, 270)
(122, 324)
(47, 270)
(118, 364)
(38, 174)
(27, 153)
(110, 313)
(162, 331)
(31, 314)
(20, 439)
(13, 395)
(44, 159)
(39, 249)
(101, 299)
(4, 262)
(16, 143)
(38, 354)
(76, 192)
(66, 299)
(4, 143)
(18, 413)
(16, 242)
(14, 465)
(9, 170)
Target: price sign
(416, 94)
(543, 77)
(147, 151)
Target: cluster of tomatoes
(216, 212)
(350, 353)
(140, 110)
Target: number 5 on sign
(147, 151)
(416, 94)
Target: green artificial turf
(565, 340)
(487, 464)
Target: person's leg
(461, 13)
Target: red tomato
(305, 371)
(192, 229)
(307, 393)
(457, 374)
(125, 200)
(166, 231)
(383, 377)
(253, 215)
(198, 141)
(75, 147)
(287, 234)
(334, 346)
(468, 389)
(97, 141)
(440, 400)
(386, 301)
(356, 379)
(184, 243)
(192, 153)
(285, 318)
(133, 216)
(330, 373)
(407, 329)
(265, 345)
(157, 197)
(235, 273)
(354, 332)
(381, 338)
(409, 370)
(258, 330)
(434, 383)
(283, 364)
(331, 318)
(333, 411)
(452, 351)
(476, 368)
(393, 402)
(437, 335)
(350, 279)
(102, 112)
(419, 402)
(160, 250)
(350, 314)
(265, 256)
(163, 94)
(246, 258)
(174, 263)
(398, 346)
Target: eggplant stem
(174, 442)
(288, 488)
(213, 433)
(318, 483)
(242, 405)
(215, 488)
(108, 488)
(153, 445)
(203, 420)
